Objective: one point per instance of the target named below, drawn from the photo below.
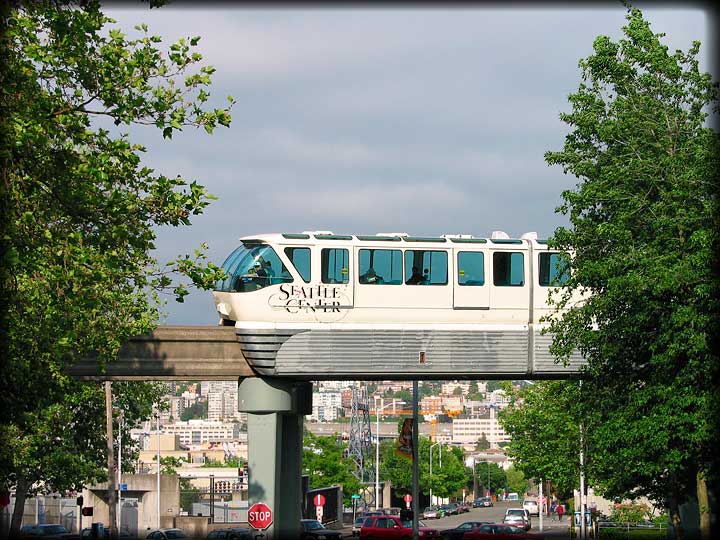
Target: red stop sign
(259, 516)
(319, 500)
(407, 498)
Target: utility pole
(112, 501)
(415, 469)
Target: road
(551, 529)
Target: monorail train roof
(497, 237)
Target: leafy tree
(198, 409)
(81, 214)
(446, 480)
(232, 462)
(544, 434)
(326, 464)
(643, 239)
(489, 476)
(516, 481)
(473, 389)
(457, 391)
(497, 385)
(404, 395)
(482, 443)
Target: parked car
(518, 517)
(166, 534)
(87, 534)
(531, 506)
(235, 533)
(46, 530)
(377, 527)
(356, 526)
(463, 507)
(449, 509)
(432, 512)
(458, 532)
(312, 529)
(502, 531)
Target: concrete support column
(275, 410)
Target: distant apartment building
(449, 388)
(499, 398)
(222, 406)
(176, 406)
(201, 431)
(326, 406)
(468, 430)
(336, 386)
(346, 398)
(218, 386)
(383, 386)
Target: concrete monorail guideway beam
(173, 353)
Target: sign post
(260, 516)
(408, 499)
(319, 502)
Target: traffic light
(87, 511)
(79, 500)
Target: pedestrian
(560, 511)
(553, 511)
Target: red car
(500, 531)
(377, 527)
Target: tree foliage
(80, 215)
(446, 480)
(643, 240)
(326, 464)
(542, 422)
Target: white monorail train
(322, 305)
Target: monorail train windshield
(253, 266)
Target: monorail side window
(253, 266)
(425, 267)
(554, 271)
(508, 269)
(380, 267)
(334, 265)
(471, 268)
(300, 257)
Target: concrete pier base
(275, 410)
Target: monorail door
(337, 285)
(470, 287)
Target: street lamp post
(377, 446)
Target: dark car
(46, 530)
(312, 529)
(483, 501)
(459, 532)
(450, 509)
(377, 527)
(495, 531)
(236, 533)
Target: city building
(467, 431)
(326, 406)
(200, 431)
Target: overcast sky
(359, 120)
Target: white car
(518, 517)
(531, 506)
